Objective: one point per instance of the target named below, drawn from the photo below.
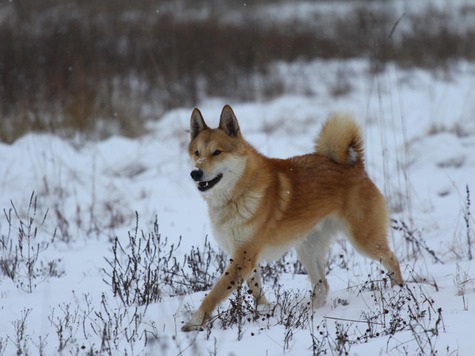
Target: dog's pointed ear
(228, 122)
(197, 123)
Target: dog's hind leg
(368, 230)
(254, 282)
(312, 253)
(378, 250)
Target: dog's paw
(399, 283)
(191, 327)
(195, 323)
(262, 300)
(265, 308)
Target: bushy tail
(341, 141)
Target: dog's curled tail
(341, 140)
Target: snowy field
(56, 295)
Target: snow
(420, 146)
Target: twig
(353, 320)
(396, 23)
(467, 217)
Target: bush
(146, 270)
(100, 68)
(20, 256)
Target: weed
(21, 339)
(64, 72)
(107, 330)
(320, 337)
(414, 241)
(20, 257)
(289, 263)
(241, 309)
(409, 308)
(390, 311)
(342, 341)
(41, 345)
(462, 281)
(289, 310)
(468, 218)
(66, 325)
(146, 270)
(205, 266)
(3, 345)
(293, 312)
(136, 274)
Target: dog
(261, 207)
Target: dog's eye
(197, 153)
(216, 153)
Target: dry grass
(102, 68)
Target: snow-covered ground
(420, 137)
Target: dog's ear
(197, 123)
(228, 122)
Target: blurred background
(91, 69)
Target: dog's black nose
(196, 174)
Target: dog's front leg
(254, 282)
(239, 268)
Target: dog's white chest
(231, 229)
(231, 236)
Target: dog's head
(217, 154)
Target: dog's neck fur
(251, 177)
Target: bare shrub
(136, 274)
(21, 339)
(389, 312)
(415, 242)
(467, 216)
(66, 324)
(107, 329)
(291, 309)
(91, 67)
(115, 325)
(20, 256)
(272, 271)
(3, 345)
(146, 270)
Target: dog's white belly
(229, 239)
(273, 253)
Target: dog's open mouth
(204, 186)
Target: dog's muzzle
(197, 175)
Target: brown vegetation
(107, 67)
